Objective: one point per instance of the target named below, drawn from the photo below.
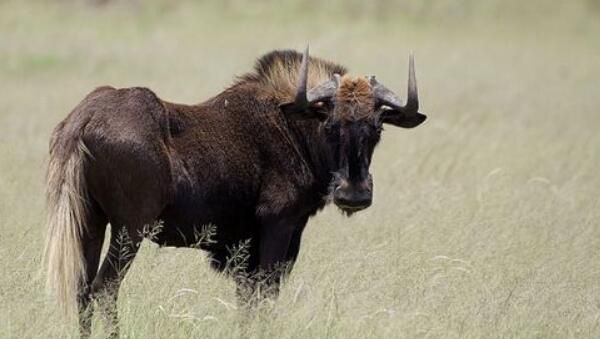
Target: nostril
(340, 195)
(367, 186)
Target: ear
(397, 118)
(293, 112)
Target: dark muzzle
(353, 196)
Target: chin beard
(348, 211)
(328, 198)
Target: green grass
(486, 220)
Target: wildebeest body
(221, 163)
(256, 161)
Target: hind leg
(130, 179)
(124, 244)
(92, 247)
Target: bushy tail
(66, 199)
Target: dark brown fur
(234, 161)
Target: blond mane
(277, 71)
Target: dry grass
(485, 220)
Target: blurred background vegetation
(577, 12)
(485, 220)
(93, 35)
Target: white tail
(66, 199)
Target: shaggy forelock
(354, 99)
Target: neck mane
(277, 73)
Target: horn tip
(372, 80)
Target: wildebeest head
(352, 112)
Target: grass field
(486, 219)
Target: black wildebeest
(256, 161)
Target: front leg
(276, 235)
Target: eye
(322, 105)
(374, 127)
(373, 132)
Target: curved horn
(412, 97)
(325, 90)
(301, 100)
(300, 107)
(390, 98)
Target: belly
(205, 225)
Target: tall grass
(485, 221)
